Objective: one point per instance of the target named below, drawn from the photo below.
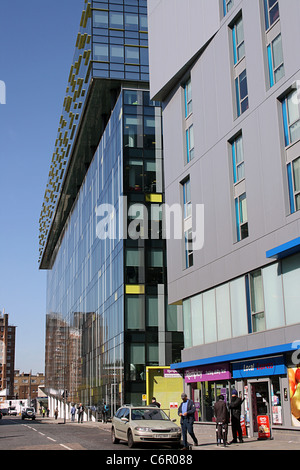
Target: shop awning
(287, 249)
(281, 348)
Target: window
(187, 224)
(189, 252)
(271, 12)
(238, 41)
(291, 118)
(293, 169)
(187, 203)
(101, 52)
(258, 322)
(116, 20)
(275, 60)
(190, 143)
(188, 98)
(241, 217)
(238, 159)
(100, 19)
(188, 124)
(239, 67)
(242, 93)
(227, 5)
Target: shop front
(268, 380)
(207, 383)
(263, 384)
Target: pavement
(205, 433)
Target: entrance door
(259, 402)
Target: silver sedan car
(144, 424)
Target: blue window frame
(238, 159)
(187, 203)
(293, 171)
(227, 5)
(291, 117)
(189, 252)
(241, 217)
(190, 143)
(275, 60)
(238, 40)
(188, 98)
(241, 88)
(271, 12)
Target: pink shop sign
(208, 373)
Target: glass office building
(101, 240)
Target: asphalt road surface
(18, 434)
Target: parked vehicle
(12, 411)
(144, 424)
(28, 413)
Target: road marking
(42, 434)
(68, 448)
(50, 439)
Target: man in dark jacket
(235, 408)
(186, 411)
(222, 420)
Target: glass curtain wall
(85, 295)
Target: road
(18, 434)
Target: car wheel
(114, 439)
(130, 439)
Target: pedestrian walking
(104, 413)
(44, 411)
(56, 413)
(80, 411)
(222, 420)
(73, 413)
(235, 407)
(186, 412)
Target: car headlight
(143, 429)
(175, 430)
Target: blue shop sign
(259, 367)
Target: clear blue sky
(37, 43)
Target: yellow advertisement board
(166, 385)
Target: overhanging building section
(93, 121)
(111, 50)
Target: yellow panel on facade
(135, 289)
(166, 386)
(153, 198)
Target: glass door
(259, 402)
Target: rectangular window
(293, 169)
(227, 5)
(238, 41)
(116, 20)
(189, 252)
(188, 98)
(100, 19)
(291, 118)
(187, 203)
(241, 217)
(190, 143)
(271, 12)
(275, 60)
(238, 159)
(101, 52)
(257, 302)
(242, 93)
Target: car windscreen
(148, 414)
